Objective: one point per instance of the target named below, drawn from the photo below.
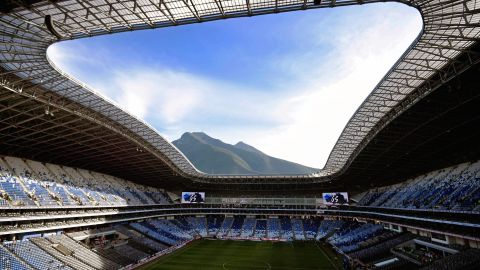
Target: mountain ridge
(213, 156)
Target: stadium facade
(74, 162)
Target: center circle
(246, 264)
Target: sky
(286, 84)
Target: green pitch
(245, 255)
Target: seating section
(117, 246)
(31, 183)
(62, 253)
(310, 227)
(145, 243)
(214, 223)
(273, 228)
(9, 261)
(226, 225)
(55, 189)
(455, 188)
(328, 227)
(199, 224)
(237, 225)
(171, 227)
(11, 189)
(287, 231)
(352, 234)
(380, 250)
(248, 227)
(83, 253)
(260, 229)
(298, 232)
(183, 224)
(35, 256)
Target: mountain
(213, 156)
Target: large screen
(193, 197)
(335, 198)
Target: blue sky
(285, 83)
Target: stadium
(86, 185)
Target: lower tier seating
(114, 247)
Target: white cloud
(301, 122)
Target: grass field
(244, 255)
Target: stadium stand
(311, 227)
(455, 188)
(328, 227)
(199, 224)
(248, 227)
(9, 261)
(113, 247)
(260, 230)
(82, 253)
(28, 182)
(287, 230)
(62, 253)
(298, 232)
(167, 226)
(214, 223)
(91, 212)
(380, 250)
(237, 225)
(139, 241)
(226, 225)
(273, 227)
(349, 238)
(183, 224)
(35, 256)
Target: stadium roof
(48, 116)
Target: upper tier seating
(27, 182)
(455, 188)
(12, 189)
(51, 182)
